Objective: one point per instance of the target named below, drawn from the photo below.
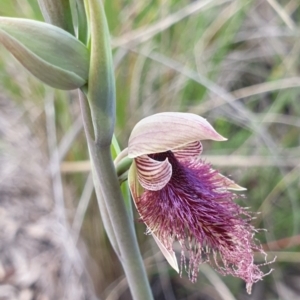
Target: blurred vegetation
(235, 62)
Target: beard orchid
(182, 199)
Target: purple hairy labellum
(182, 199)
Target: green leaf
(80, 20)
(58, 13)
(101, 87)
(51, 54)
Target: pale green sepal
(135, 188)
(51, 54)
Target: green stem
(88, 128)
(117, 221)
(130, 256)
(98, 104)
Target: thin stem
(130, 256)
(117, 222)
(88, 128)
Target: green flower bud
(51, 54)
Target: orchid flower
(181, 198)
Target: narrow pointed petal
(153, 175)
(188, 151)
(167, 131)
(168, 254)
(135, 188)
(229, 184)
(136, 191)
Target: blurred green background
(234, 62)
